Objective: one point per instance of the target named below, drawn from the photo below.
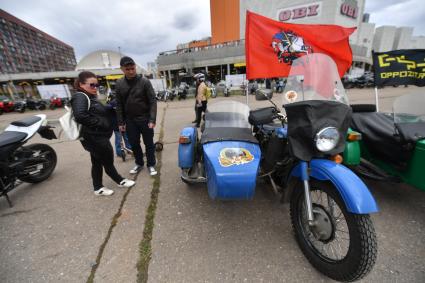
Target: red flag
(271, 46)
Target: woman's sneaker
(126, 183)
(152, 171)
(136, 169)
(103, 192)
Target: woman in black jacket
(96, 131)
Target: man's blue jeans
(118, 142)
(134, 129)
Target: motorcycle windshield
(230, 114)
(314, 77)
(409, 117)
(409, 108)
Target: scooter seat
(26, 122)
(9, 137)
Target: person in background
(96, 130)
(136, 113)
(112, 104)
(201, 97)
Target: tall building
(26, 49)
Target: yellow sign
(114, 77)
(243, 64)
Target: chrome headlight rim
(327, 139)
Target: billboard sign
(59, 90)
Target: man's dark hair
(126, 61)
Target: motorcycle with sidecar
(392, 147)
(296, 151)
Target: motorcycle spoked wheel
(48, 153)
(343, 246)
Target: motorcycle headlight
(327, 139)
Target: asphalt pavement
(162, 230)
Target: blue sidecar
(226, 157)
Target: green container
(352, 151)
(414, 174)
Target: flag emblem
(288, 46)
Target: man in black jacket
(136, 113)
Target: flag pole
(246, 91)
(376, 99)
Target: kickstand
(7, 198)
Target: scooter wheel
(159, 146)
(42, 154)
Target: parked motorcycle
(226, 91)
(6, 105)
(65, 101)
(55, 102)
(164, 95)
(32, 163)
(213, 91)
(392, 147)
(297, 154)
(35, 104)
(182, 91)
(20, 106)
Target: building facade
(226, 54)
(25, 49)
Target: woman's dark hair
(82, 78)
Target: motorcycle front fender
(353, 191)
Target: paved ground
(58, 230)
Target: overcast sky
(143, 28)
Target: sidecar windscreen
(227, 121)
(314, 77)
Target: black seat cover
(26, 122)
(379, 136)
(9, 137)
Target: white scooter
(32, 163)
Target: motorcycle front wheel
(341, 245)
(41, 164)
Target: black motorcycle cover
(385, 140)
(307, 118)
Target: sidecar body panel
(231, 169)
(187, 150)
(353, 191)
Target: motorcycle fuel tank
(231, 169)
